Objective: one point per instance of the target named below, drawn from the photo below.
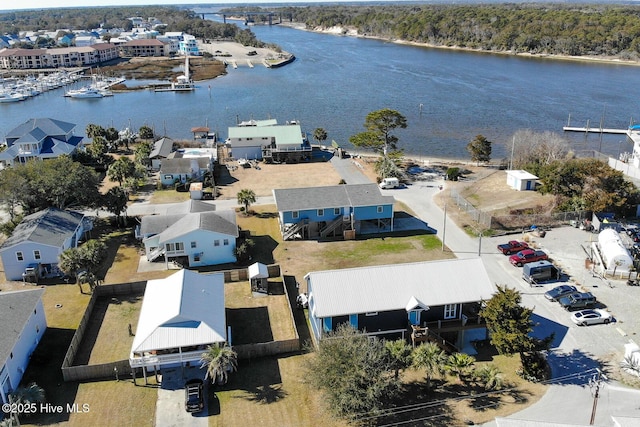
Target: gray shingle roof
(183, 165)
(50, 227)
(297, 199)
(15, 310)
(161, 148)
(392, 287)
(223, 222)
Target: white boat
(6, 97)
(85, 92)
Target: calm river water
(448, 97)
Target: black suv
(193, 397)
(578, 300)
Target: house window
(320, 212)
(450, 311)
(11, 355)
(336, 211)
(175, 247)
(295, 214)
(372, 313)
(225, 242)
(19, 256)
(379, 209)
(216, 243)
(196, 257)
(36, 254)
(193, 245)
(168, 177)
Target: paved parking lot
(565, 247)
(170, 410)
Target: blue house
(346, 210)
(436, 301)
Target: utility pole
(444, 224)
(595, 383)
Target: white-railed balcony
(149, 359)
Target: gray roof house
(23, 324)
(161, 150)
(184, 168)
(193, 231)
(40, 139)
(39, 239)
(328, 211)
(442, 298)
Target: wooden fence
(122, 368)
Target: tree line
(174, 18)
(554, 29)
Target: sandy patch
(236, 52)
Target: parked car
(591, 317)
(527, 255)
(559, 291)
(193, 395)
(578, 300)
(538, 272)
(512, 247)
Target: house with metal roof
(161, 150)
(258, 140)
(193, 233)
(23, 324)
(38, 241)
(433, 300)
(180, 316)
(40, 139)
(318, 212)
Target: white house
(180, 316)
(521, 180)
(23, 324)
(193, 233)
(261, 138)
(39, 239)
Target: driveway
(170, 411)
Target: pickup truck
(527, 255)
(512, 247)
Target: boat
(6, 97)
(85, 92)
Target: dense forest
(554, 29)
(116, 17)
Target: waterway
(448, 97)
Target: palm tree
(399, 352)
(320, 135)
(246, 197)
(460, 365)
(431, 358)
(219, 361)
(30, 395)
(491, 377)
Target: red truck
(527, 255)
(512, 247)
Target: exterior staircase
(333, 225)
(295, 229)
(155, 253)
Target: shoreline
(352, 32)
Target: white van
(389, 183)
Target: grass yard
(258, 318)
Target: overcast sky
(42, 4)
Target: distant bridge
(248, 16)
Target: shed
(521, 180)
(259, 277)
(195, 191)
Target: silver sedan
(591, 317)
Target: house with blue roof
(37, 242)
(339, 210)
(39, 139)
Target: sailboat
(183, 83)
